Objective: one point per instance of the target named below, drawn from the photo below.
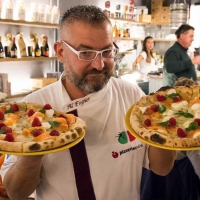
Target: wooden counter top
(156, 76)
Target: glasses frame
(97, 52)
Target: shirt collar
(185, 49)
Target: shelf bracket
(159, 26)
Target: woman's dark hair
(144, 48)
(183, 29)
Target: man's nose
(98, 62)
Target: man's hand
(25, 176)
(196, 60)
(161, 160)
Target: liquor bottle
(1, 49)
(37, 49)
(46, 49)
(115, 30)
(13, 51)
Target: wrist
(28, 162)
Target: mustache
(95, 71)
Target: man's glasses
(89, 55)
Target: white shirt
(146, 67)
(104, 111)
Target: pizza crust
(11, 146)
(38, 146)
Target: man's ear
(182, 35)
(58, 48)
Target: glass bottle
(46, 49)
(9, 9)
(20, 10)
(37, 49)
(13, 49)
(1, 49)
(115, 30)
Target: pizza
(29, 127)
(169, 117)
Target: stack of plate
(178, 14)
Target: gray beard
(88, 86)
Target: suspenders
(82, 170)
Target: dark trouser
(180, 184)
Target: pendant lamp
(178, 14)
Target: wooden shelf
(126, 52)
(19, 95)
(130, 21)
(128, 38)
(140, 23)
(35, 59)
(26, 23)
(141, 39)
(163, 40)
(159, 24)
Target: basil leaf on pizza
(54, 124)
(2, 131)
(29, 127)
(192, 126)
(184, 114)
(9, 111)
(169, 117)
(164, 123)
(42, 111)
(172, 95)
(161, 108)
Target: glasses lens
(87, 55)
(109, 53)
(91, 55)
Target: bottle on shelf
(115, 30)
(20, 10)
(37, 49)
(131, 2)
(46, 49)
(13, 51)
(7, 9)
(1, 49)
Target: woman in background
(145, 58)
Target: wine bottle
(46, 49)
(13, 51)
(1, 49)
(115, 31)
(37, 49)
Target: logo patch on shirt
(123, 138)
